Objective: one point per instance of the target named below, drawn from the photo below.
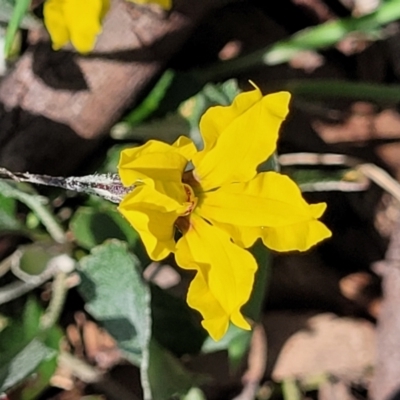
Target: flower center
(183, 222)
(191, 199)
(189, 178)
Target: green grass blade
(20, 9)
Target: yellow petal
(105, 6)
(225, 276)
(185, 147)
(216, 119)
(155, 160)
(270, 199)
(153, 214)
(239, 137)
(165, 4)
(83, 19)
(55, 22)
(199, 297)
(300, 236)
(243, 236)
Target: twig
(344, 180)
(59, 292)
(316, 159)
(381, 178)
(107, 186)
(35, 203)
(370, 171)
(18, 289)
(5, 265)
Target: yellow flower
(221, 206)
(75, 21)
(165, 4)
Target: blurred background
(328, 323)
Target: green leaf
(23, 364)
(19, 333)
(145, 108)
(185, 121)
(8, 220)
(238, 348)
(6, 12)
(169, 311)
(221, 94)
(166, 129)
(211, 346)
(150, 103)
(118, 298)
(23, 347)
(45, 369)
(239, 345)
(20, 9)
(110, 165)
(7, 205)
(194, 394)
(331, 32)
(262, 255)
(92, 226)
(311, 38)
(317, 89)
(211, 95)
(167, 377)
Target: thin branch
(59, 293)
(381, 178)
(18, 289)
(35, 203)
(5, 265)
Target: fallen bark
(386, 381)
(57, 107)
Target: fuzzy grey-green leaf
(23, 364)
(117, 297)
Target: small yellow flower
(221, 206)
(75, 21)
(165, 4)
